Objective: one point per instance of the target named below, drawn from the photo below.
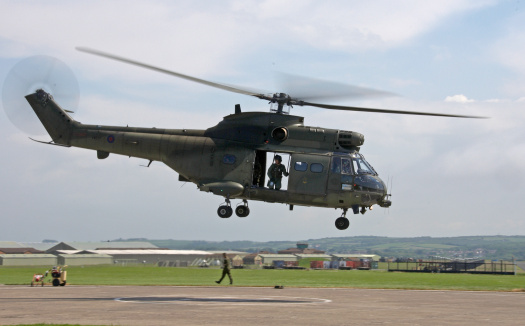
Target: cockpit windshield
(355, 164)
(361, 166)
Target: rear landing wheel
(342, 223)
(242, 211)
(224, 211)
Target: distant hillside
(487, 247)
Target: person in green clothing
(275, 173)
(225, 270)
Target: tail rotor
(30, 74)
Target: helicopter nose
(370, 183)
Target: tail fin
(57, 122)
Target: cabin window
(229, 159)
(316, 167)
(301, 166)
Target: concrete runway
(224, 305)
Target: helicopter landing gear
(342, 223)
(242, 210)
(225, 211)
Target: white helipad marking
(240, 300)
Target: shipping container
(278, 263)
(316, 264)
(291, 263)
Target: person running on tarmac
(225, 270)
(275, 173)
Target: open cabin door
(309, 174)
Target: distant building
(302, 248)
(28, 260)
(356, 257)
(84, 259)
(20, 251)
(268, 259)
(160, 257)
(100, 245)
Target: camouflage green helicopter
(326, 168)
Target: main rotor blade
(281, 98)
(353, 108)
(314, 89)
(172, 73)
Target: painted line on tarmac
(240, 300)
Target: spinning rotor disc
(30, 74)
(283, 99)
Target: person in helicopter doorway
(275, 173)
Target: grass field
(149, 275)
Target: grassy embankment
(149, 275)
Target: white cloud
(460, 98)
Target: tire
(56, 282)
(224, 211)
(342, 223)
(242, 211)
(62, 284)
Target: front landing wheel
(342, 223)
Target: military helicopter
(326, 168)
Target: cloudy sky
(450, 177)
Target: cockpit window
(361, 166)
(336, 164)
(345, 166)
(354, 164)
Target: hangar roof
(27, 256)
(313, 256)
(229, 252)
(138, 252)
(85, 256)
(277, 256)
(38, 245)
(20, 251)
(152, 252)
(360, 256)
(99, 245)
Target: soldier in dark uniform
(225, 270)
(275, 173)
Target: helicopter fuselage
(229, 159)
